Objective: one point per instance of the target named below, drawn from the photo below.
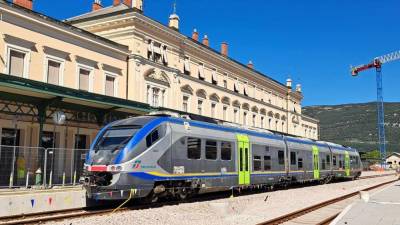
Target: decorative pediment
(295, 119)
(187, 89)
(158, 76)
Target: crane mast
(377, 64)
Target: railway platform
(380, 208)
(29, 201)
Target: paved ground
(381, 208)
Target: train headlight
(112, 168)
(119, 168)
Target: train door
(243, 159)
(316, 161)
(347, 163)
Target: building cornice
(128, 14)
(205, 83)
(6, 7)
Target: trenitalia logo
(137, 165)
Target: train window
(211, 150)
(194, 148)
(323, 164)
(281, 157)
(328, 159)
(300, 163)
(226, 150)
(340, 164)
(267, 163)
(293, 158)
(257, 163)
(267, 148)
(152, 138)
(117, 137)
(334, 160)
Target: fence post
(27, 180)
(13, 168)
(45, 169)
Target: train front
(117, 151)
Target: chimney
(205, 41)
(195, 35)
(250, 65)
(224, 49)
(96, 5)
(128, 3)
(289, 83)
(298, 88)
(174, 22)
(24, 3)
(116, 2)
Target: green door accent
(243, 159)
(315, 152)
(347, 163)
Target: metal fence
(32, 167)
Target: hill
(355, 125)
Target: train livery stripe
(155, 123)
(156, 176)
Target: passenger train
(162, 155)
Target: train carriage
(156, 156)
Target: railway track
(325, 212)
(73, 213)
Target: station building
(114, 62)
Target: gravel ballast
(249, 209)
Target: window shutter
(53, 72)
(214, 75)
(164, 54)
(84, 79)
(110, 86)
(187, 65)
(17, 63)
(201, 71)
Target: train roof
(157, 119)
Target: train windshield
(116, 138)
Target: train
(155, 156)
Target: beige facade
(142, 60)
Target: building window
(254, 120)
(200, 107)
(186, 66)
(155, 96)
(84, 79)
(185, 103)
(257, 163)
(224, 109)
(211, 150)
(194, 148)
(262, 122)
(245, 92)
(236, 115)
(53, 72)
(109, 86)
(281, 157)
(214, 78)
(16, 63)
(201, 71)
(267, 163)
(213, 106)
(245, 118)
(226, 150)
(225, 84)
(236, 87)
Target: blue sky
(313, 41)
